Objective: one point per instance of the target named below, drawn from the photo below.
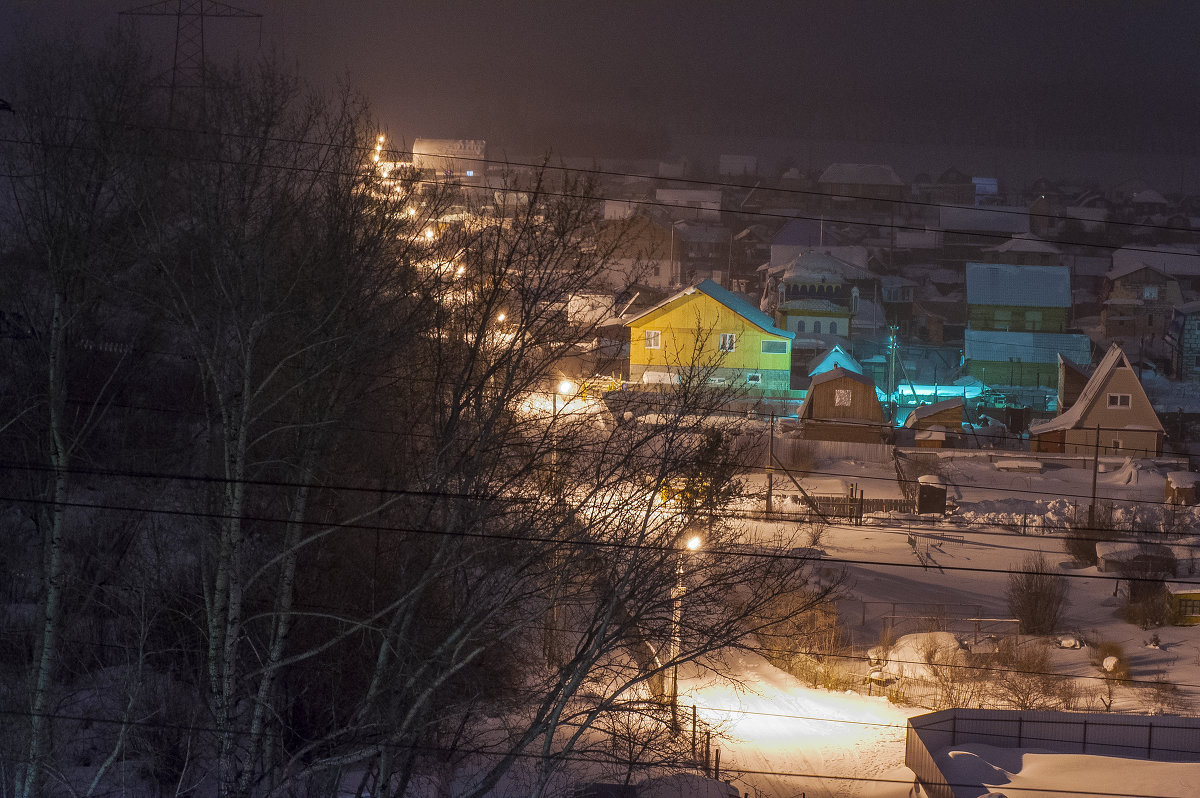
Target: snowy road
(789, 739)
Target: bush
(1105, 649)
(1022, 678)
(1036, 597)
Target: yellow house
(708, 328)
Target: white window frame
(1119, 401)
(727, 342)
(753, 378)
(764, 351)
(653, 339)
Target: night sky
(630, 78)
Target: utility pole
(892, 347)
(1095, 470)
(188, 67)
(770, 461)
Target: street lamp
(692, 544)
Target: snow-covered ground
(981, 770)
(788, 739)
(911, 574)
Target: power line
(599, 544)
(641, 202)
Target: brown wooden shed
(843, 406)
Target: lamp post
(692, 544)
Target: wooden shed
(1181, 487)
(843, 406)
(937, 425)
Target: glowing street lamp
(692, 544)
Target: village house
(842, 405)
(815, 296)
(1017, 321)
(645, 252)
(1138, 301)
(1183, 336)
(1110, 416)
(869, 190)
(709, 331)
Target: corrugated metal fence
(1167, 739)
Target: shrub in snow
(1036, 596)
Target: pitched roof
(863, 174)
(925, 411)
(834, 354)
(1070, 419)
(829, 376)
(822, 263)
(1020, 286)
(1025, 347)
(1026, 242)
(1129, 267)
(729, 300)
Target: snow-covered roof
(1020, 286)
(812, 304)
(1071, 418)
(818, 263)
(1129, 267)
(864, 174)
(1025, 347)
(831, 358)
(1026, 242)
(925, 411)
(988, 219)
(1173, 259)
(1148, 197)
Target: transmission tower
(187, 74)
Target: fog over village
(647, 400)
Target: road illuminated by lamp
(777, 725)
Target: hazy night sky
(619, 78)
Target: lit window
(653, 339)
(841, 397)
(470, 173)
(1116, 400)
(727, 342)
(774, 347)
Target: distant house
(1025, 249)
(709, 329)
(1112, 409)
(1016, 298)
(815, 296)
(1138, 301)
(1183, 337)
(842, 405)
(644, 251)
(1017, 319)
(937, 425)
(863, 188)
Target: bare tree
(66, 214)
(1037, 596)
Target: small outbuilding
(937, 425)
(842, 405)
(1181, 487)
